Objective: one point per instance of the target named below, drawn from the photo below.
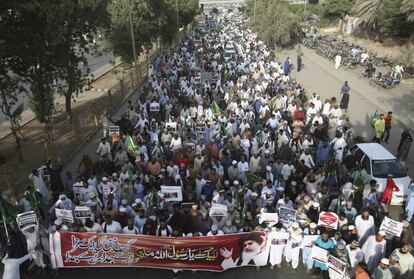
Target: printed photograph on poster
(308, 240)
(172, 193)
(287, 214)
(26, 220)
(82, 212)
(391, 226)
(65, 215)
(328, 220)
(337, 265)
(113, 131)
(218, 210)
(278, 238)
(154, 107)
(319, 254)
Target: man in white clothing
(365, 225)
(110, 226)
(215, 231)
(292, 248)
(104, 149)
(355, 255)
(374, 250)
(278, 239)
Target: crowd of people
(244, 135)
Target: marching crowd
(246, 136)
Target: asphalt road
(235, 273)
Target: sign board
(328, 220)
(65, 215)
(391, 227)
(308, 240)
(171, 127)
(218, 210)
(337, 266)
(278, 238)
(197, 80)
(172, 193)
(268, 217)
(200, 128)
(319, 254)
(26, 220)
(114, 130)
(82, 212)
(154, 107)
(287, 214)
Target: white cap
(62, 196)
(124, 201)
(315, 204)
(254, 194)
(295, 225)
(138, 200)
(268, 168)
(234, 162)
(114, 174)
(58, 222)
(406, 224)
(235, 182)
(267, 151)
(226, 182)
(104, 178)
(351, 227)
(385, 261)
(381, 233)
(123, 209)
(312, 226)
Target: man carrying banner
(277, 245)
(325, 243)
(292, 247)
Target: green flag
(8, 214)
(131, 147)
(215, 108)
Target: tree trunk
(49, 141)
(15, 129)
(68, 106)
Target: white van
(379, 162)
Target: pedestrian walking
(345, 96)
(404, 146)
(338, 60)
(379, 127)
(388, 120)
(299, 55)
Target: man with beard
(340, 253)
(326, 243)
(406, 261)
(278, 239)
(254, 251)
(203, 223)
(306, 251)
(355, 255)
(365, 225)
(292, 247)
(382, 271)
(374, 250)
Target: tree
(334, 8)
(77, 22)
(407, 55)
(407, 8)
(391, 21)
(366, 11)
(149, 17)
(276, 25)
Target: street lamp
(134, 52)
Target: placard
(308, 240)
(278, 238)
(171, 127)
(268, 217)
(154, 107)
(218, 210)
(113, 130)
(336, 265)
(328, 220)
(391, 226)
(26, 220)
(65, 215)
(172, 193)
(200, 128)
(82, 212)
(319, 254)
(287, 214)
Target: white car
(379, 163)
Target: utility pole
(176, 7)
(134, 52)
(254, 10)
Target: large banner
(213, 253)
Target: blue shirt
(328, 245)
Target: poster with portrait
(82, 212)
(172, 193)
(26, 220)
(65, 215)
(217, 210)
(319, 254)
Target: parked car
(379, 163)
